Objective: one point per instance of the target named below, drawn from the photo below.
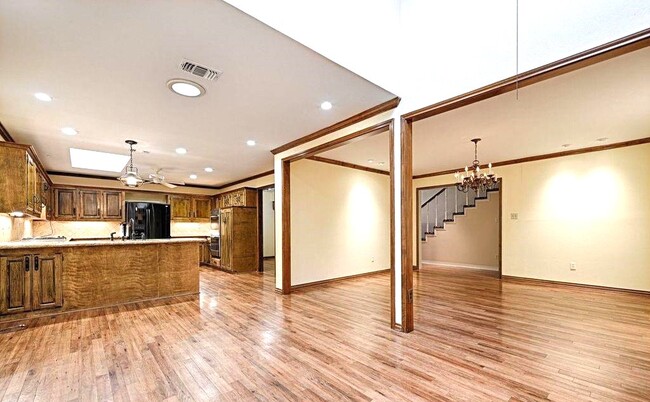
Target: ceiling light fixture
(326, 105)
(209, 170)
(251, 143)
(474, 179)
(131, 178)
(185, 87)
(193, 176)
(181, 151)
(566, 145)
(94, 160)
(69, 131)
(380, 163)
(370, 160)
(42, 96)
(602, 139)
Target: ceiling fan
(131, 177)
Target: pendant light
(131, 178)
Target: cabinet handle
(26, 264)
(98, 212)
(35, 263)
(74, 211)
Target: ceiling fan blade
(168, 185)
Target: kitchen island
(41, 277)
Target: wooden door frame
(382, 127)
(260, 225)
(416, 265)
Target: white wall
(591, 209)
(268, 223)
(340, 221)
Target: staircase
(444, 204)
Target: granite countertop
(90, 243)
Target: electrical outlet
(572, 266)
(514, 216)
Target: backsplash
(86, 229)
(14, 228)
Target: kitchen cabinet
(65, 203)
(88, 204)
(243, 197)
(30, 282)
(239, 251)
(22, 182)
(181, 207)
(190, 208)
(113, 204)
(204, 252)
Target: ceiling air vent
(210, 74)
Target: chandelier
(131, 178)
(472, 178)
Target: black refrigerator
(150, 220)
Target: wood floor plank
(477, 338)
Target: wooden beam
(348, 165)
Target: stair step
(459, 213)
(480, 198)
(448, 220)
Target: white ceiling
(362, 152)
(609, 99)
(106, 64)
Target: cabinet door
(89, 204)
(226, 238)
(47, 289)
(202, 208)
(15, 284)
(30, 196)
(65, 201)
(112, 204)
(181, 207)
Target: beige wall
(591, 209)
(472, 240)
(340, 221)
(14, 228)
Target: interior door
(15, 284)
(47, 290)
(226, 238)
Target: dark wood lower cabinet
(30, 282)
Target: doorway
(266, 228)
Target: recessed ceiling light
(185, 87)
(181, 151)
(209, 170)
(69, 131)
(193, 176)
(250, 143)
(380, 163)
(326, 105)
(94, 160)
(42, 96)
(566, 145)
(602, 139)
(370, 160)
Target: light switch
(514, 216)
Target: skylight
(93, 160)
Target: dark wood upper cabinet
(65, 203)
(113, 205)
(90, 204)
(21, 180)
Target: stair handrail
(434, 197)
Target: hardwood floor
(476, 338)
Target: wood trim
(535, 158)
(253, 177)
(536, 281)
(406, 160)
(391, 147)
(359, 117)
(5, 134)
(577, 61)
(339, 142)
(113, 179)
(347, 165)
(340, 279)
(286, 227)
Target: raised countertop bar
(90, 243)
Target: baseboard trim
(342, 278)
(536, 281)
(458, 265)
